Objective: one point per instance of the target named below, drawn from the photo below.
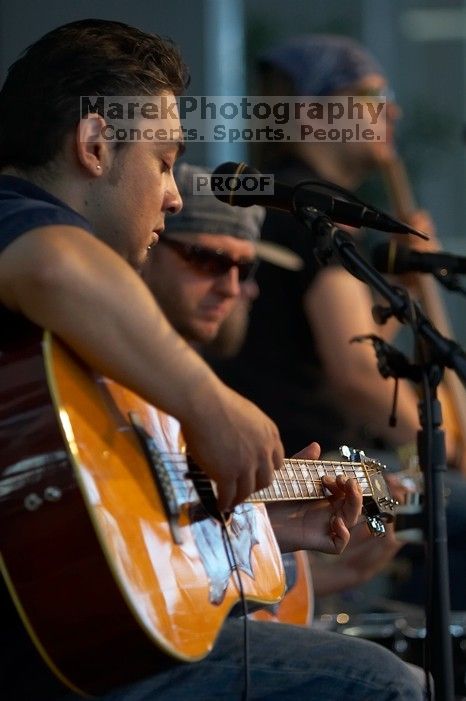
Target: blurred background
(420, 43)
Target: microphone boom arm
(332, 239)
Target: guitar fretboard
(301, 479)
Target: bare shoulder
(49, 255)
(336, 291)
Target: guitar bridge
(160, 476)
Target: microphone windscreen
(226, 183)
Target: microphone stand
(436, 352)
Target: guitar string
(358, 471)
(312, 465)
(360, 474)
(353, 469)
(203, 483)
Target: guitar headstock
(379, 505)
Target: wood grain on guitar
(115, 566)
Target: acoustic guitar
(111, 544)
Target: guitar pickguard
(215, 550)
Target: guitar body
(297, 606)
(107, 589)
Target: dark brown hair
(39, 101)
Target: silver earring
(99, 167)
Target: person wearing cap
(192, 273)
(204, 258)
(297, 363)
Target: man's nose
(172, 201)
(228, 283)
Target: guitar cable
(230, 553)
(234, 567)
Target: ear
(92, 149)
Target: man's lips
(155, 236)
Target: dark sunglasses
(209, 261)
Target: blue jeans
(287, 663)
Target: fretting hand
(322, 525)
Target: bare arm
(421, 220)
(64, 279)
(363, 559)
(338, 307)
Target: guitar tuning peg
(388, 502)
(351, 454)
(345, 452)
(376, 464)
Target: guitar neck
(300, 480)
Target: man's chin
(203, 333)
(138, 261)
(209, 335)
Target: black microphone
(392, 258)
(228, 178)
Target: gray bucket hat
(206, 214)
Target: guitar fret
(302, 479)
(304, 485)
(285, 484)
(298, 479)
(293, 480)
(277, 487)
(261, 494)
(321, 472)
(301, 467)
(360, 478)
(365, 472)
(313, 482)
(310, 483)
